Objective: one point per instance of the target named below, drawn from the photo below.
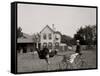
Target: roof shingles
(25, 39)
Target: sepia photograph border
(14, 7)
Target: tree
(66, 39)
(80, 35)
(19, 32)
(36, 38)
(86, 35)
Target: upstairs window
(50, 36)
(56, 37)
(44, 36)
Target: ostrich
(45, 54)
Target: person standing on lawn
(78, 47)
(73, 57)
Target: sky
(33, 18)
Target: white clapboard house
(50, 38)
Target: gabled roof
(25, 39)
(51, 30)
(46, 27)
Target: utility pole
(37, 40)
(53, 37)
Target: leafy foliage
(36, 37)
(86, 35)
(19, 32)
(66, 39)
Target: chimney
(54, 29)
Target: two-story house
(50, 38)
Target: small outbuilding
(26, 44)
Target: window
(56, 45)
(50, 36)
(45, 44)
(44, 36)
(56, 37)
(50, 45)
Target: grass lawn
(28, 62)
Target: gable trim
(48, 27)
